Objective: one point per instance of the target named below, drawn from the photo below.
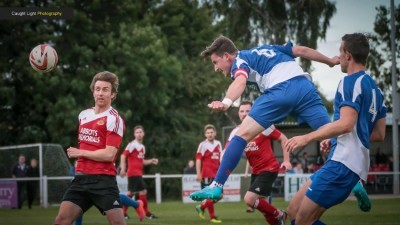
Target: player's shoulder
(203, 144)
(86, 112)
(113, 115)
(137, 145)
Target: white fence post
(158, 188)
(45, 200)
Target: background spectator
(31, 188)
(304, 162)
(190, 169)
(380, 157)
(297, 168)
(19, 170)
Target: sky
(351, 16)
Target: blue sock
(125, 200)
(78, 220)
(230, 159)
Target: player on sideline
(264, 168)
(286, 89)
(100, 135)
(207, 163)
(135, 152)
(359, 118)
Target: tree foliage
(153, 46)
(275, 21)
(380, 59)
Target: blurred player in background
(207, 163)
(100, 134)
(135, 155)
(359, 118)
(265, 168)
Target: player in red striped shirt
(100, 135)
(207, 163)
(265, 168)
(135, 155)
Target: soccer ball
(43, 58)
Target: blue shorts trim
(297, 96)
(331, 184)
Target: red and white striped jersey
(209, 154)
(134, 153)
(96, 131)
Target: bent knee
(292, 210)
(249, 200)
(60, 219)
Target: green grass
(384, 212)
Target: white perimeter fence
(292, 182)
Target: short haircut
(107, 77)
(219, 46)
(138, 127)
(209, 126)
(357, 45)
(246, 103)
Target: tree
(274, 21)
(380, 51)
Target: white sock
(215, 184)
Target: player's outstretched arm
(234, 91)
(379, 131)
(152, 161)
(286, 155)
(348, 117)
(311, 54)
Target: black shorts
(261, 183)
(205, 182)
(98, 190)
(136, 184)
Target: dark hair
(219, 46)
(357, 45)
(245, 103)
(108, 77)
(138, 127)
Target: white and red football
(43, 58)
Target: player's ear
(113, 95)
(226, 56)
(348, 55)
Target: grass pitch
(384, 212)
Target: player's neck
(354, 68)
(101, 109)
(140, 141)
